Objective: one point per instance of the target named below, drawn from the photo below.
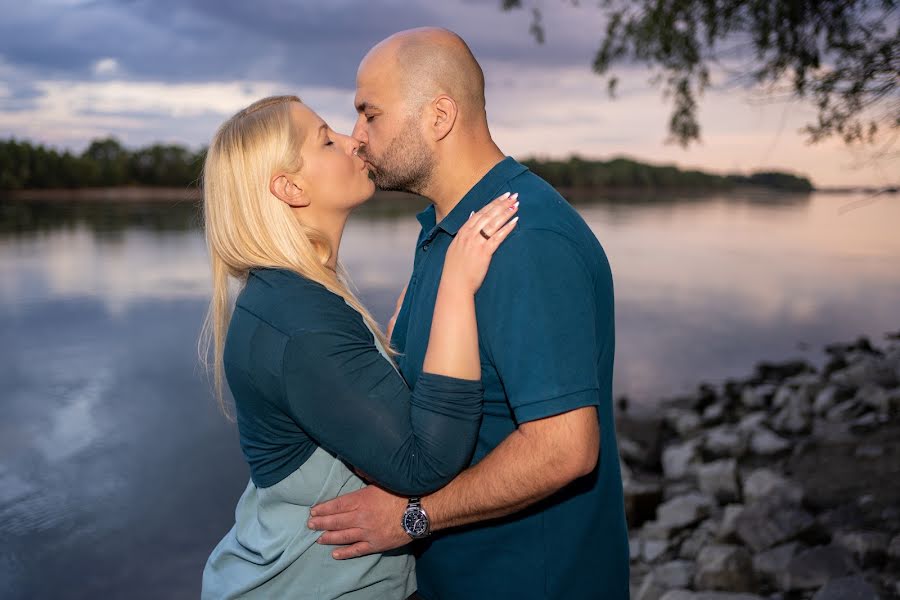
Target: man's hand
(364, 522)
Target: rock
(815, 567)
(869, 548)
(825, 399)
(634, 548)
(632, 452)
(727, 529)
(641, 500)
(795, 417)
(724, 567)
(678, 458)
(752, 397)
(724, 441)
(683, 421)
(770, 563)
(686, 595)
(866, 422)
(713, 413)
(697, 539)
(684, 510)
(894, 548)
(653, 549)
(875, 397)
(782, 397)
(869, 451)
(866, 370)
(765, 483)
(719, 480)
(671, 575)
(847, 588)
(770, 522)
(843, 411)
(752, 421)
(765, 443)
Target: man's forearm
(526, 467)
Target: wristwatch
(415, 520)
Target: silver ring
(356, 152)
(483, 234)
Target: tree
(843, 55)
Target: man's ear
(444, 111)
(288, 191)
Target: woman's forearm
(453, 344)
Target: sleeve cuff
(549, 407)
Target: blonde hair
(248, 227)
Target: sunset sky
(170, 71)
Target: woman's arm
(353, 403)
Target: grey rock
(874, 397)
(678, 458)
(653, 549)
(867, 369)
(752, 397)
(724, 441)
(713, 413)
(634, 548)
(813, 568)
(868, 548)
(631, 452)
(869, 451)
(770, 563)
(752, 421)
(825, 399)
(683, 421)
(766, 443)
(727, 528)
(697, 539)
(765, 483)
(866, 422)
(843, 411)
(641, 500)
(724, 567)
(688, 595)
(795, 417)
(670, 575)
(782, 397)
(683, 511)
(847, 588)
(719, 480)
(770, 522)
(894, 548)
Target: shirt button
(425, 248)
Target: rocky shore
(785, 485)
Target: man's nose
(359, 132)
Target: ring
(356, 152)
(483, 234)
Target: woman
(316, 392)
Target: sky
(172, 70)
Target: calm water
(118, 475)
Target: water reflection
(117, 467)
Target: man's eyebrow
(364, 106)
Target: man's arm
(533, 462)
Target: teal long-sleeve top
(305, 371)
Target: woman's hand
(469, 254)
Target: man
(539, 513)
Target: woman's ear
(444, 111)
(288, 191)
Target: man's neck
(459, 175)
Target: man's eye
(369, 118)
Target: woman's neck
(331, 225)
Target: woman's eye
(329, 143)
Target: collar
(475, 199)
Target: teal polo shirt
(547, 340)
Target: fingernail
(516, 195)
(310, 525)
(505, 195)
(515, 219)
(516, 205)
(471, 213)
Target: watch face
(415, 523)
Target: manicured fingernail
(471, 213)
(505, 195)
(515, 219)
(516, 195)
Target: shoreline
(785, 484)
(148, 194)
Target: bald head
(427, 62)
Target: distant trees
(105, 163)
(622, 173)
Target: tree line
(107, 163)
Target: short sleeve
(544, 331)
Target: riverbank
(783, 485)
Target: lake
(119, 475)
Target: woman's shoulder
(292, 303)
